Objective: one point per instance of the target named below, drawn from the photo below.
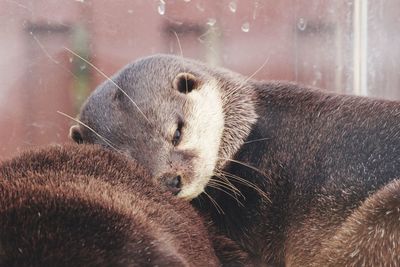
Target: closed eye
(176, 139)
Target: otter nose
(174, 184)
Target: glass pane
(343, 46)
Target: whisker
(109, 79)
(181, 51)
(216, 205)
(108, 142)
(219, 187)
(256, 140)
(179, 42)
(247, 183)
(244, 164)
(238, 178)
(227, 184)
(234, 190)
(260, 68)
(216, 186)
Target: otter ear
(76, 134)
(185, 82)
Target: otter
(84, 206)
(296, 175)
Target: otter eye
(177, 134)
(177, 137)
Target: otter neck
(239, 107)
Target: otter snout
(177, 172)
(173, 184)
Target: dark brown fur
(327, 162)
(84, 206)
(370, 236)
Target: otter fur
(86, 206)
(312, 176)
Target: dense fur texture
(85, 206)
(328, 164)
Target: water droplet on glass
(232, 6)
(255, 10)
(130, 11)
(70, 60)
(246, 27)
(302, 24)
(187, 1)
(211, 22)
(200, 6)
(161, 7)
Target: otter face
(168, 119)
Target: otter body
(317, 172)
(83, 206)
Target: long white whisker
(260, 68)
(109, 79)
(247, 183)
(256, 140)
(244, 164)
(216, 205)
(179, 43)
(108, 142)
(217, 187)
(225, 182)
(181, 50)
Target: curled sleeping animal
(86, 206)
(298, 176)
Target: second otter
(313, 175)
(86, 206)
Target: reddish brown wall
(304, 41)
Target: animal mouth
(194, 189)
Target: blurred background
(351, 47)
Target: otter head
(169, 114)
